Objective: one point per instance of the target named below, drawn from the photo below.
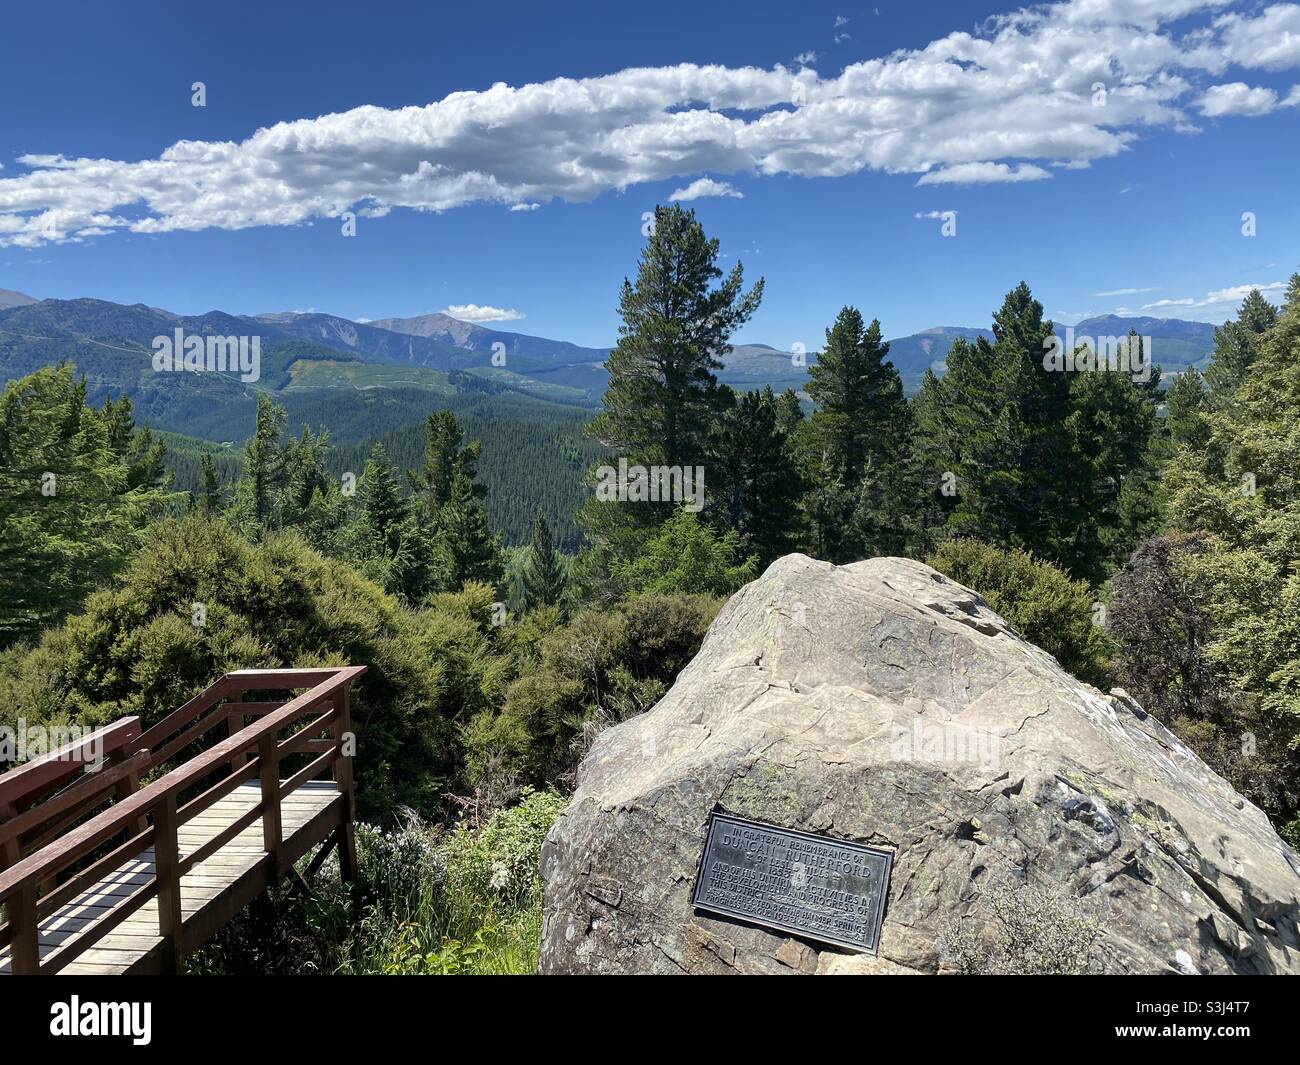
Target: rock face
(884, 704)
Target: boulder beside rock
(881, 703)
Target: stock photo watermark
(197, 353)
(651, 484)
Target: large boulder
(882, 703)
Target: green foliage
(685, 556)
(753, 481)
(675, 330)
(76, 487)
(450, 502)
(1061, 464)
(602, 668)
(543, 578)
(136, 650)
(1232, 584)
(467, 901)
(1039, 601)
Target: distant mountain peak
(9, 298)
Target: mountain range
(377, 381)
(314, 349)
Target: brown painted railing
(37, 845)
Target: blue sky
(828, 127)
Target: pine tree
(858, 394)
(755, 485)
(543, 578)
(386, 540)
(675, 332)
(450, 501)
(445, 455)
(1236, 347)
(468, 549)
(255, 495)
(209, 498)
(1005, 431)
(69, 515)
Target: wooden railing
(38, 848)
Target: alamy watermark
(646, 484)
(945, 743)
(1127, 354)
(21, 742)
(208, 354)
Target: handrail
(160, 799)
(21, 782)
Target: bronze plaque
(811, 886)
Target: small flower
(500, 876)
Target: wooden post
(166, 856)
(125, 788)
(232, 726)
(20, 907)
(268, 756)
(343, 777)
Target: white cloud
(935, 215)
(1217, 305)
(1270, 41)
(524, 206)
(1237, 98)
(806, 58)
(1124, 292)
(983, 174)
(1000, 104)
(703, 187)
(472, 312)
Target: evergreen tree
(69, 515)
(1184, 406)
(858, 394)
(1236, 346)
(209, 497)
(755, 484)
(662, 396)
(387, 540)
(255, 495)
(467, 548)
(450, 502)
(1001, 425)
(676, 329)
(543, 578)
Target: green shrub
(135, 649)
(601, 668)
(686, 557)
(1039, 600)
(426, 902)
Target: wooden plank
(168, 879)
(272, 828)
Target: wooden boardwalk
(202, 840)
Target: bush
(1169, 616)
(686, 557)
(135, 649)
(1039, 600)
(426, 902)
(1017, 930)
(600, 669)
